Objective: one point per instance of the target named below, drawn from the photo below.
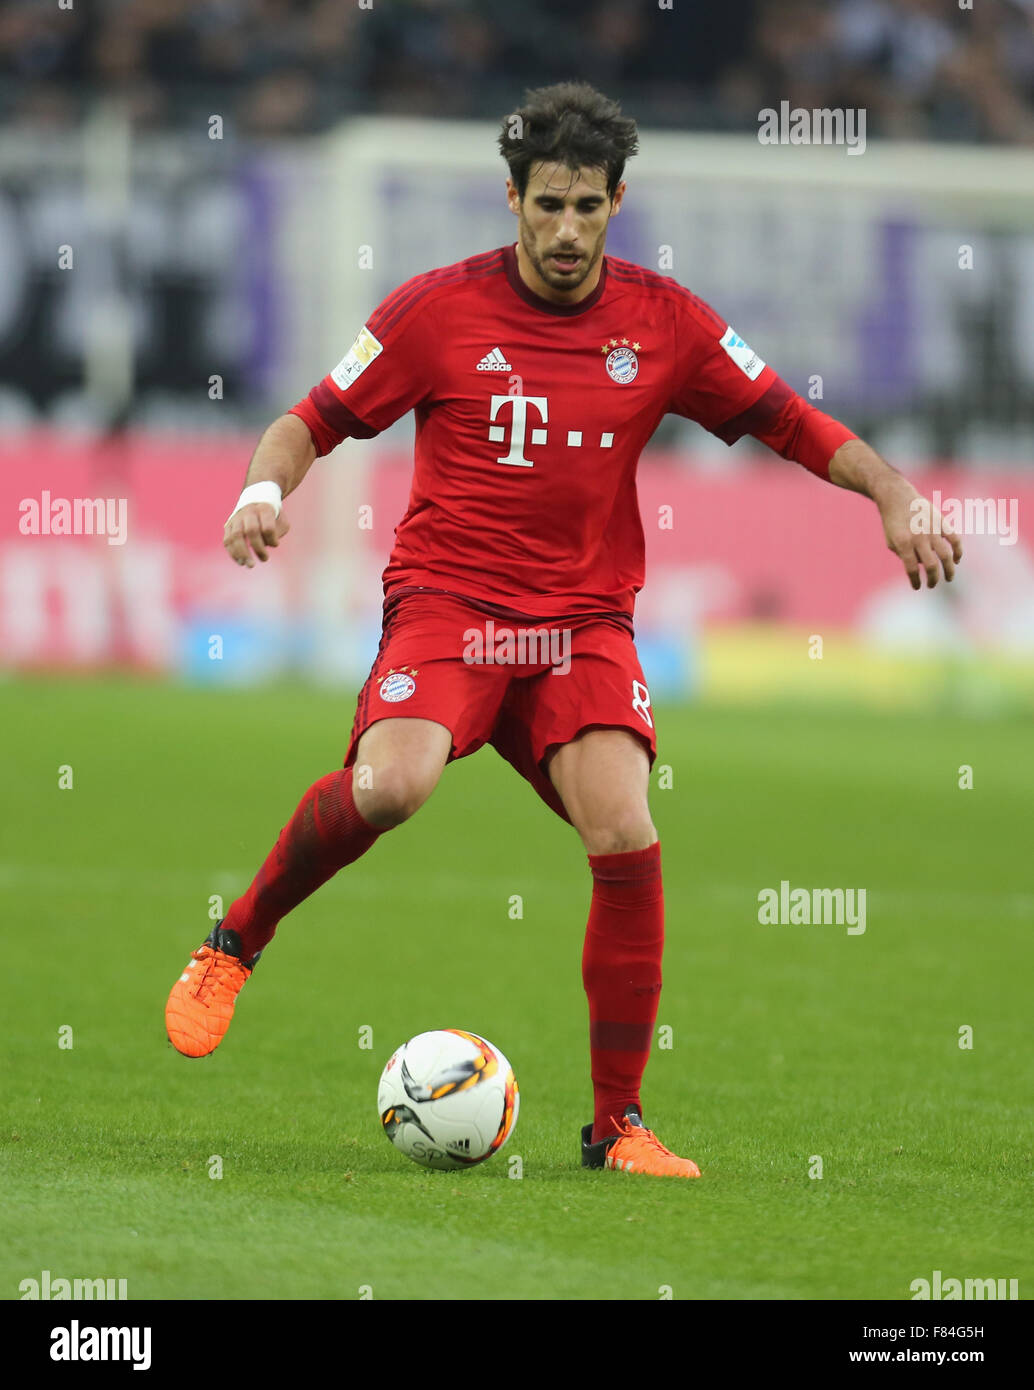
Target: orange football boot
(201, 1003)
(634, 1149)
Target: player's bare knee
(620, 834)
(391, 795)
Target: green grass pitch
(787, 1042)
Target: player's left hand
(917, 534)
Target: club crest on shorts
(397, 685)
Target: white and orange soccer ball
(448, 1099)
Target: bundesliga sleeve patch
(749, 363)
(356, 359)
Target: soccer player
(537, 372)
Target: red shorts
(525, 690)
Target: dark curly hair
(569, 123)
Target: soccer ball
(448, 1099)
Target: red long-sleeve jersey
(530, 419)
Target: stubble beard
(553, 278)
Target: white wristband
(259, 492)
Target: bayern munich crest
(622, 365)
(396, 686)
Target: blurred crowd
(921, 68)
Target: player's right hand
(918, 536)
(251, 530)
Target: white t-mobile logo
(497, 433)
(641, 701)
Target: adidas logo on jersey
(494, 361)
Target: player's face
(562, 224)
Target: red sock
(621, 970)
(325, 833)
